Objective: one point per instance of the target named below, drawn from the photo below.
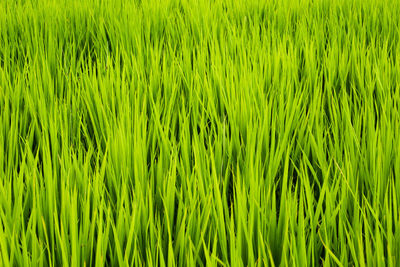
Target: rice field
(199, 133)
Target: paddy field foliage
(199, 133)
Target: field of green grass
(199, 133)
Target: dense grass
(184, 132)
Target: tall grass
(199, 133)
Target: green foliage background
(199, 133)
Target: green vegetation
(199, 133)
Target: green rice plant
(199, 133)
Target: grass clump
(199, 133)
